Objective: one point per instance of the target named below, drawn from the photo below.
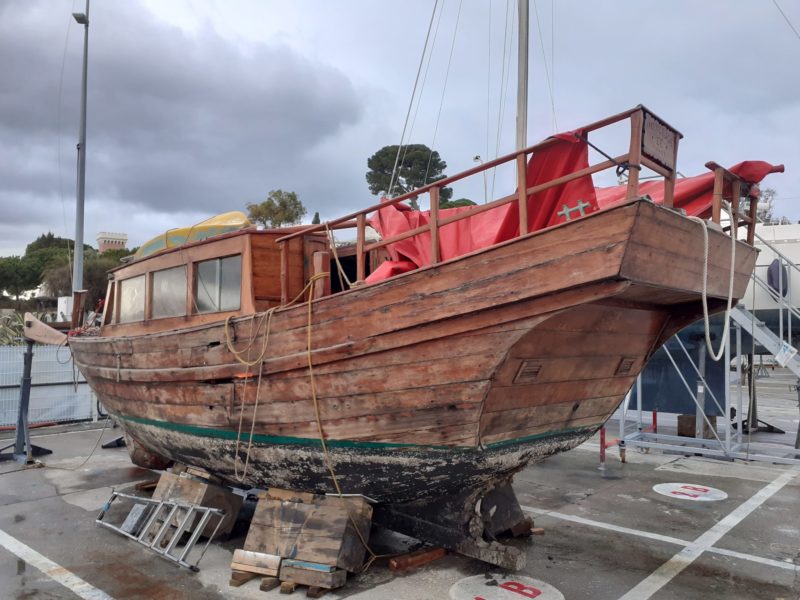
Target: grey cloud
(176, 121)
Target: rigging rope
(411, 102)
(546, 71)
(422, 87)
(444, 90)
(504, 79)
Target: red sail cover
(554, 206)
(692, 194)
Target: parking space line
(609, 526)
(54, 571)
(789, 566)
(675, 565)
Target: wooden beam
(751, 227)
(736, 192)
(669, 182)
(635, 154)
(361, 224)
(284, 273)
(719, 182)
(322, 264)
(434, 225)
(522, 193)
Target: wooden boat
(430, 388)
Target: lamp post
(77, 271)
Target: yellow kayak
(229, 221)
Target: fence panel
(55, 397)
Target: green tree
(280, 208)
(316, 220)
(18, 274)
(456, 203)
(95, 276)
(48, 240)
(419, 166)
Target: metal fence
(55, 397)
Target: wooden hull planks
(493, 359)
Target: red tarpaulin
(566, 202)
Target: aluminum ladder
(150, 523)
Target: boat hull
(391, 473)
(457, 374)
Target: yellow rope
(238, 355)
(266, 321)
(332, 243)
(328, 461)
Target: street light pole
(77, 271)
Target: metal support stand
(797, 439)
(24, 451)
(117, 442)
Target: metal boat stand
(24, 451)
(469, 523)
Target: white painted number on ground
(502, 588)
(690, 491)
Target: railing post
(719, 183)
(669, 182)
(361, 225)
(522, 192)
(736, 191)
(434, 225)
(635, 154)
(751, 227)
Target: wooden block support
(196, 491)
(256, 562)
(269, 583)
(316, 529)
(240, 578)
(319, 578)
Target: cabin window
(218, 284)
(169, 293)
(131, 299)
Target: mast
(77, 271)
(522, 76)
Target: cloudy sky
(197, 107)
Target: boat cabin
(233, 274)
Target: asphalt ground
(608, 534)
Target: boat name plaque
(658, 141)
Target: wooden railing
(653, 144)
(729, 186)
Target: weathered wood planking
(538, 336)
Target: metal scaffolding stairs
(778, 341)
(764, 336)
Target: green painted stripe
(297, 441)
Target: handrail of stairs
(783, 302)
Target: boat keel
(469, 523)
